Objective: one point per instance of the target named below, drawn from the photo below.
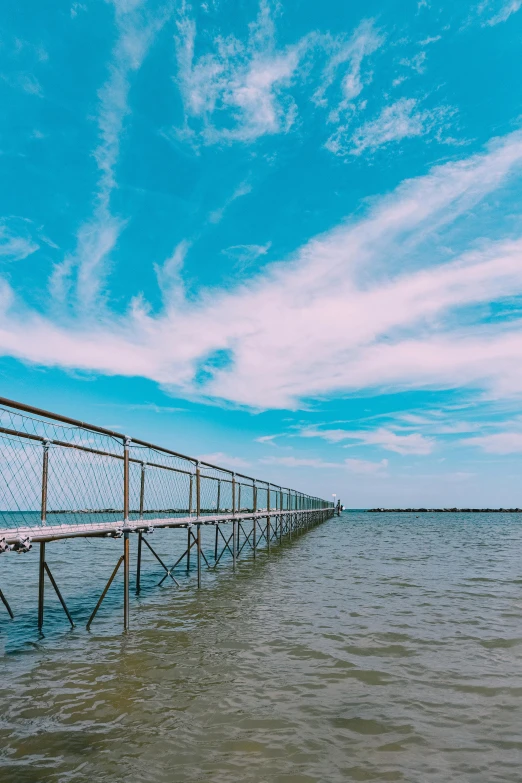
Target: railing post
(239, 509)
(41, 586)
(268, 517)
(199, 552)
(254, 532)
(126, 542)
(198, 491)
(43, 516)
(140, 532)
(45, 480)
(234, 522)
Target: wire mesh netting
(53, 472)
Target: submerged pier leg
(189, 545)
(216, 542)
(126, 575)
(41, 586)
(138, 563)
(199, 553)
(6, 604)
(234, 544)
(254, 537)
(42, 570)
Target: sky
(285, 238)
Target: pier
(63, 479)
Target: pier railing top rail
(55, 470)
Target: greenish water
(379, 647)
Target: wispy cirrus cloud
(336, 317)
(16, 240)
(345, 61)
(496, 443)
(360, 466)
(403, 119)
(226, 460)
(245, 255)
(84, 270)
(503, 10)
(413, 443)
(243, 81)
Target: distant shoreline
(447, 510)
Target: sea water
(376, 647)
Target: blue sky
(284, 237)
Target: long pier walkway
(62, 479)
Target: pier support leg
(234, 542)
(44, 569)
(138, 563)
(216, 542)
(268, 534)
(41, 586)
(6, 604)
(105, 589)
(126, 575)
(189, 544)
(254, 537)
(199, 554)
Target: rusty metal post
(254, 533)
(280, 515)
(43, 516)
(138, 563)
(239, 509)
(126, 542)
(6, 604)
(126, 481)
(234, 523)
(268, 517)
(198, 491)
(126, 575)
(41, 586)
(45, 480)
(140, 532)
(234, 549)
(199, 553)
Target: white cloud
(366, 467)
(299, 462)
(169, 276)
(364, 42)
(136, 29)
(347, 312)
(246, 83)
(497, 443)
(416, 63)
(414, 443)
(266, 439)
(242, 190)
(359, 466)
(16, 243)
(402, 119)
(219, 458)
(505, 11)
(244, 255)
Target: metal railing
(63, 477)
